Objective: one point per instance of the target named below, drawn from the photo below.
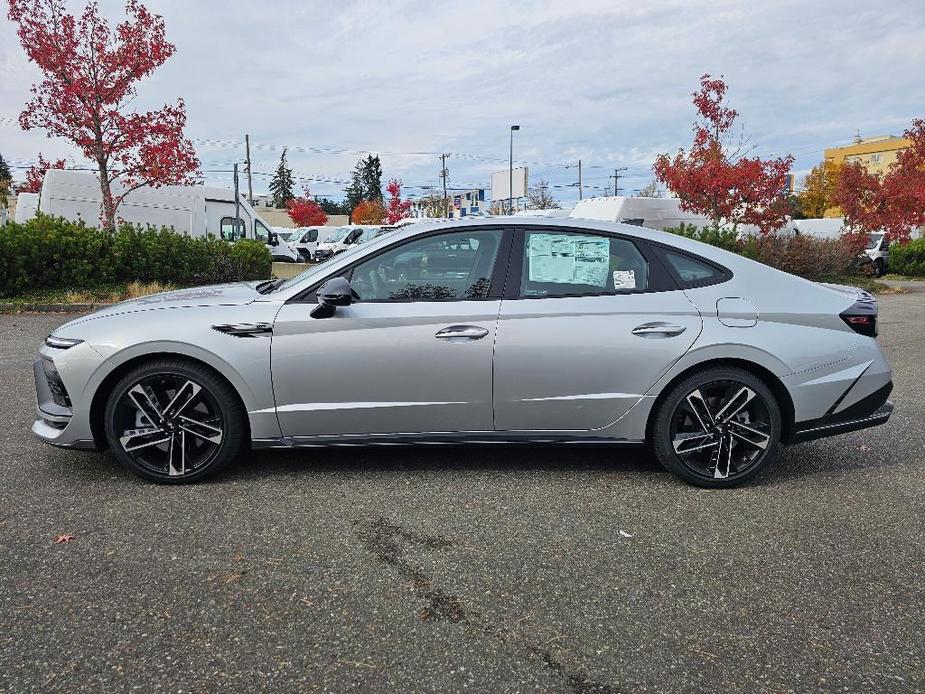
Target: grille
(55, 384)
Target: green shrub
(908, 258)
(722, 238)
(52, 253)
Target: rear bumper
(871, 411)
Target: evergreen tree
(354, 193)
(281, 183)
(372, 178)
(333, 207)
(5, 174)
(366, 183)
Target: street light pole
(510, 182)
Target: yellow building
(875, 153)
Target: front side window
(227, 229)
(576, 264)
(260, 231)
(456, 266)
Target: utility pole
(237, 206)
(616, 180)
(250, 185)
(443, 175)
(579, 180)
(510, 183)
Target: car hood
(215, 295)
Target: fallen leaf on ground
(62, 539)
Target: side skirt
(437, 439)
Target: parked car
(495, 330)
(878, 250)
(193, 210)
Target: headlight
(61, 342)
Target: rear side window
(575, 264)
(692, 271)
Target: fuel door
(736, 312)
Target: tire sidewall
(661, 430)
(224, 396)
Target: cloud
(605, 81)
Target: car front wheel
(174, 421)
(717, 428)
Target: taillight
(862, 317)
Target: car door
(589, 322)
(413, 352)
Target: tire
(879, 267)
(727, 443)
(174, 421)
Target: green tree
(366, 183)
(333, 207)
(372, 178)
(5, 182)
(281, 184)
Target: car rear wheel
(717, 428)
(879, 267)
(174, 421)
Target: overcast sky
(606, 81)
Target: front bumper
(58, 421)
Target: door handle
(658, 330)
(461, 332)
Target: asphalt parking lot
(480, 569)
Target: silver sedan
(492, 331)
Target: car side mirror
(273, 238)
(333, 293)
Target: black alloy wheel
(717, 428)
(174, 421)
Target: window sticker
(624, 279)
(568, 259)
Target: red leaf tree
(305, 212)
(397, 208)
(89, 77)
(36, 174)
(893, 203)
(716, 178)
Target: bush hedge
(816, 259)
(52, 253)
(909, 258)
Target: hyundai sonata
(492, 331)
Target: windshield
(319, 268)
(873, 241)
(337, 235)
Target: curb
(50, 308)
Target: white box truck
(194, 210)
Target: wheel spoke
(183, 397)
(721, 460)
(746, 434)
(201, 430)
(176, 458)
(134, 439)
(690, 442)
(735, 404)
(146, 401)
(701, 410)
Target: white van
(305, 240)
(342, 238)
(26, 206)
(194, 210)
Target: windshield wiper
(269, 286)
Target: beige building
(876, 154)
